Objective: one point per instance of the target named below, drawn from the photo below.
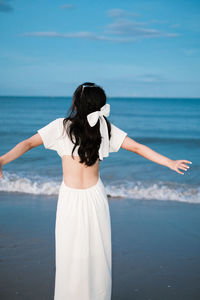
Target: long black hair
(85, 101)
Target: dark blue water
(171, 127)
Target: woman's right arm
(143, 150)
(20, 149)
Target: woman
(83, 231)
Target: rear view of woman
(83, 228)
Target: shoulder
(117, 137)
(61, 126)
(57, 125)
(50, 133)
(59, 122)
(54, 127)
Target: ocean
(169, 126)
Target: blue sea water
(169, 126)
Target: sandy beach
(155, 245)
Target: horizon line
(108, 97)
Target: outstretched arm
(133, 146)
(20, 149)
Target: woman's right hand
(175, 165)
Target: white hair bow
(92, 120)
(94, 116)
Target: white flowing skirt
(83, 244)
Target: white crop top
(55, 138)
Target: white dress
(83, 249)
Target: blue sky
(131, 48)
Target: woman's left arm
(148, 153)
(20, 149)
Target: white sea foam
(37, 186)
(129, 189)
(155, 191)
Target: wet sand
(155, 245)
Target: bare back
(77, 175)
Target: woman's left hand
(179, 164)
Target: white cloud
(80, 34)
(67, 6)
(117, 12)
(190, 51)
(92, 36)
(133, 29)
(5, 6)
(174, 25)
(122, 30)
(159, 21)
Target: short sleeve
(117, 137)
(50, 134)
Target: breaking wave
(128, 189)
